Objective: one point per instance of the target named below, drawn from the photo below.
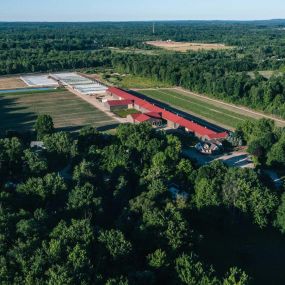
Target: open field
(135, 51)
(212, 110)
(127, 81)
(257, 115)
(266, 73)
(132, 81)
(194, 106)
(19, 111)
(11, 83)
(186, 46)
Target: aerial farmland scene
(142, 143)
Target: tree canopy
(112, 208)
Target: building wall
(156, 122)
(130, 119)
(120, 107)
(114, 96)
(171, 124)
(190, 132)
(143, 110)
(107, 106)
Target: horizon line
(147, 20)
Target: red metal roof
(120, 93)
(140, 117)
(223, 135)
(154, 115)
(189, 125)
(120, 102)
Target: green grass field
(132, 81)
(127, 81)
(19, 111)
(199, 108)
(126, 112)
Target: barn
(114, 105)
(172, 120)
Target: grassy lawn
(126, 112)
(127, 81)
(19, 111)
(207, 111)
(132, 81)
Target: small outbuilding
(209, 147)
(113, 105)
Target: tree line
(216, 74)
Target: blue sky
(132, 10)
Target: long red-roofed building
(173, 120)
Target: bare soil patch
(11, 83)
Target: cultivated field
(197, 107)
(19, 111)
(186, 46)
(11, 83)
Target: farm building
(209, 147)
(113, 105)
(172, 120)
(79, 83)
(39, 81)
(140, 118)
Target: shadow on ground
(107, 127)
(13, 117)
(230, 239)
(71, 129)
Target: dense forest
(231, 75)
(92, 208)
(213, 73)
